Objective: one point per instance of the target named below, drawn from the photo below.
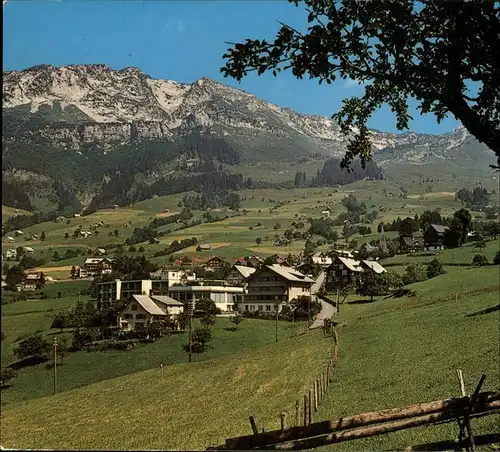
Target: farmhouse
(214, 263)
(224, 297)
(139, 312)
(10, 239)
(274, 285)
(204, 247)
(254, 261)
(239, 273)
(373, 266)
(33, 281)
(28, 249)
(434, 237)
(343, 271)
(18, 233)
(97, 266)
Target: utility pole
(190, 312)
(309, 312)
(54, 348)
(277, 316)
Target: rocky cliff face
(94, 103)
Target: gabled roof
(351, 264)
(245, 271)
(375, 266)
(96, 260)
(34, 276)
(149, 305)
(439, 228)
(289, 273)
(408, 241)
(215, 258)
(166, 300)
(29, 249)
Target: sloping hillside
(191, 407)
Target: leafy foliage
(414, 272)
(435, 268)
(480, 260)
(34, 346)
(430, 51)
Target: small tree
(479, 260)
(116, 233)
(258, 240)
(34, 346)
(56, 257)
(66, 235)
(206, 310)
(43, 236)
(199, 340)
(414, 272)
(480, 244)
(6, 374)
(237, 319)
(15, 275)
(73, 273)
(435, 268)
(60, 321)
(496, 260)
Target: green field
(235, 236)
(83, 368)
(193, 406)
(397, 352)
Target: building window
(140, 316)
(268, 307)
(246, 307)
(134, 307)
(128, 316)
(252, 307)
(344, 272)
(261, 308)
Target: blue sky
(181, 41)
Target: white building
(224, 297)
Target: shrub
(6, 374)
(479, 260)
(35, 346)
(414, 272)
(496, 260)
(435, 268)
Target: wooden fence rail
(362, 425)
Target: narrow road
(327, 310)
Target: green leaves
(400, 50)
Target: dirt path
(62, 268)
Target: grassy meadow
(192, 406)
(397, 352)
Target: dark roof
(408, 241)
(439, 228)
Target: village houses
(272, 286)
(434, 237)
(239, 273)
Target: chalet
(278, 259)
(28, 250)
(85, 234)
(98, 266)
(12, 253)
(343, 271)
(214, 263)
(173, 307)
(139, 312)
(241, 261)
(18, 233)
(373, 266)
(204, 247)
(10, 239)
(239, 273)
(321, 259)
(274, 285)
(100, 252)
(154, 241)
(33, 281)
(60, 219)
(254, 261)
(434, 237)
(76, 215)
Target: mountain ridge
(92, 124)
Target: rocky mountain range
(80, 124)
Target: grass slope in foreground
(191, 407)
(398, 352)
(84, 368)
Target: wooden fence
(365, 425)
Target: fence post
(282, 421)
(305, 410)
(309, 408)
(297, 408)
(315, 395)
(254, 427)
